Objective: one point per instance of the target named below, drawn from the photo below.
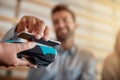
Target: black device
(42, 54)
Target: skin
(8, 54)
(33, 25)
(8, 51)
(64, 27)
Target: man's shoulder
(84, 53)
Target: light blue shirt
(73, 64)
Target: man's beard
(64, 38)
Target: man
(8, 51)
(71, 62)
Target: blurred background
(98, 25)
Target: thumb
(24, 62)
(24, 46)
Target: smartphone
(31, 37)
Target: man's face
(64, 25)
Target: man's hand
(33, 25)
(8, 54)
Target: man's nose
(61, 24)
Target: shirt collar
(71, 51)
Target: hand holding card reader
(42, 54)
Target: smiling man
(72, 63)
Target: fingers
(24, 46)
(21, 25)
(24, 62)
(33, 25)
(40, 29)
(46, 33)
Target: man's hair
(61, 7)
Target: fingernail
(33, 33)
(38, 36)
(45, 38)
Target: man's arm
(89, 71)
